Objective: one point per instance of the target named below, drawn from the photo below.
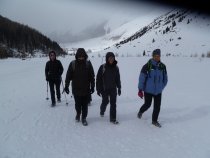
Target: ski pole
(64, 92)
(47, 91)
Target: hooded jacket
(108, 76)
(153, 77)
(81, 74)
(53, 69)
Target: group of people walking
(152, 80)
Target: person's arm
(60, 69)
(69, 75)
(165, 77)
(99, 79)
(118, 81)
(46, 71)
(92, 76)
(142, 78)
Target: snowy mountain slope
(179, 33)
(117, 30)
(30, 128)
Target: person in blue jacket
(152, 80)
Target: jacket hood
(110, 54)
(81, 52)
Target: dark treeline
(17, 40)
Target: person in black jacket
(107, 83)
(53, 73)
(81, 73)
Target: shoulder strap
(149, 66)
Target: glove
(119, 91)
(66, 89)
(99, 93)
(92, 90)
(141, 94)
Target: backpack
(162, 67)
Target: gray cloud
(89, 32)
(70, 20)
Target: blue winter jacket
(153, 77)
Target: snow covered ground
(30, 128)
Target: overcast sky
(72, 16)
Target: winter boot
(102, 114)
(77, 118)
(84, 122)
(53, 104)
(139, 115)
(156, 123)
(114, 122)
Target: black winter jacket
(82, 76)
(53, 70)
(108, 77)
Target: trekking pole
(47, 91)
(64, 92)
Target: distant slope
(17, 40)
(177, 33)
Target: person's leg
(78, 107)
(113, 106)
(156, 110)
(52, 92)
(84, 107)
(58, 93)
(105, 102)
(147, 103)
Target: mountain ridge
(18, 40)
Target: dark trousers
(81, 105)
(55, 84)
(147, 103)
(112, 96)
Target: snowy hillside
(117, 29)
(177, 33)
(30, 128)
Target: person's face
(52, 56)
(111, 60)
(156, 58)
(81, 58)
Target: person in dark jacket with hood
(81, 73)
(108, 84)
(152, 80)
(53, 73)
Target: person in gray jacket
(108, 85)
